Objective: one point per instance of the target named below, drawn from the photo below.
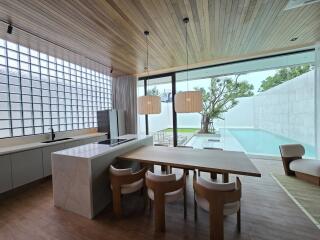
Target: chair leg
(116, 195)
(185, 203)
(150, 206)
(239, 220)
(195, 208)
(216, 224)
(163, 168)
(199, 173)
(186, 172)
(159, 214)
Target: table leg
(225, 177)
(213, 176)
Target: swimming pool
(251, 141)
(261, 142)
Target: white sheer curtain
(124, 97)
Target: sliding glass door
(251, 106)
(158, 125)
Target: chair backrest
(217, 193)
(119, 177)
(216, 186)
(292, 150)
(160, 177)
(289, 153)
(120, 172)
(164, 183)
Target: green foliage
(221, 96)
(153, 92)
(283, 75)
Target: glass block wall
(39, 92)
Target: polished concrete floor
(267, 213)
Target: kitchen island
(80, 174)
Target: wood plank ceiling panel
(111, 31)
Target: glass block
(38, 130)
(4, 133)
(13, 54)
(12, 45)
(17, 132)
(16, 123)
(27, 114)
(28, 131)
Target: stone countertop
(93, 150)
(24, 147)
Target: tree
(220, 97)
(283, 75)
(153, 92)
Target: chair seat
(306, 166)
(169, 197)
(132, 187)
(229, 208)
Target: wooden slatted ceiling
(111, 31)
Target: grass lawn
(183, 130)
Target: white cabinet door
(46, 157)
(26, 166)
(5, 173)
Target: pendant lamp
(188, 101)
(148, 104)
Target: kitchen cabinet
(26, 166)
(5, 173)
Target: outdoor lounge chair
(304, 169)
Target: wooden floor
(267, 213)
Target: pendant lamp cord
(147, 41)
(187, 55)
(146, 33)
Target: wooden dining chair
(219, 199)
(124, 181)
(164, 189)
(213, 175)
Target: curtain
(124, 97)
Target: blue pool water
(260, 142)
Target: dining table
(207, 160)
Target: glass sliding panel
(252, 106)
(160, 125)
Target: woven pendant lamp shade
(149, 105)
(188, 102)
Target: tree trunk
(205, 124)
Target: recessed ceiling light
(293, 39)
